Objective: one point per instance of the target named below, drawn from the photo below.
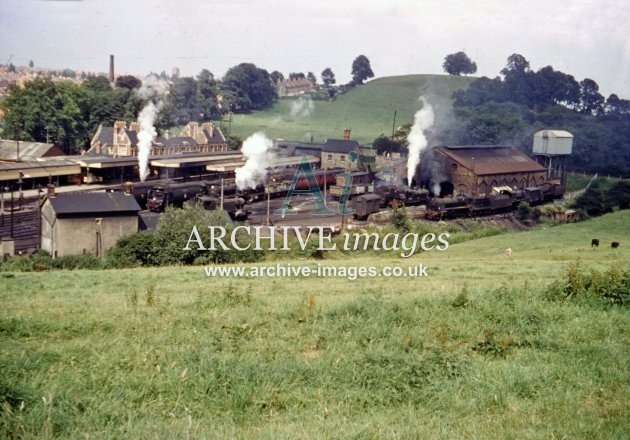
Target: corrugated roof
(28, 150)
(94, 203)
(491, 159)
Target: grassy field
(477, 349)
(576, 181)
(368, 110)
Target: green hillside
(368, 110)
(478, 349)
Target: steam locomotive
(440, 208)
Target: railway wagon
(489, 205)
(365, 204)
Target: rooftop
(491, 159)
(93, 203)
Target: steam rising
(152, 88)
(146, 135)
(258, 155)
(422, 120)
(303, 107)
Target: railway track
(20, 221)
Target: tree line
(68, 113)
(510, 108)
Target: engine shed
(477, 170)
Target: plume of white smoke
(152, 89)
(422, 120)
(145, 137)
(258, 157)
(302, 107)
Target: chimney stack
(111, 68)
(346, 134)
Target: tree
(276, 76)
(619, 195)
(591, 101)
(311, 77)
(98, 83)
(592, 202)
(328, 77)
(183, 98)
(361, 70)
(384, 144)
(40, 104)
(129, 82)
(208, 103)
(296, 75)
(11, 68)
(516, 64)
(68, 73)
(459, 63)
(31, 64)
(246, 87)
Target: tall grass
(478, 349)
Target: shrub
(133, 250)
(619, 195)
(612, 286)
(523, 211)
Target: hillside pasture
(368, 110)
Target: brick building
(473, 170)
(122, 140)
(294, 87)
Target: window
(330, 157)
(342, 158)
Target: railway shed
(476, 170)
(80, 223)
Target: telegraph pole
(394, 125)
(17, 127)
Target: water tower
(552, 148)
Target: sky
(584, 38)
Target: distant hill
(368, 110)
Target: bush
(611, 286)
(619, 195)
(133, 250)
(400, 219)
(523, 211)
(592, 202)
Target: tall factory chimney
(111, 68)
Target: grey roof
(340, 146)
(175, 141)
(94, 203)
(105, 135)
(28, 150)
(217, 136)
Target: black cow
(614, 244)
(595, 242)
